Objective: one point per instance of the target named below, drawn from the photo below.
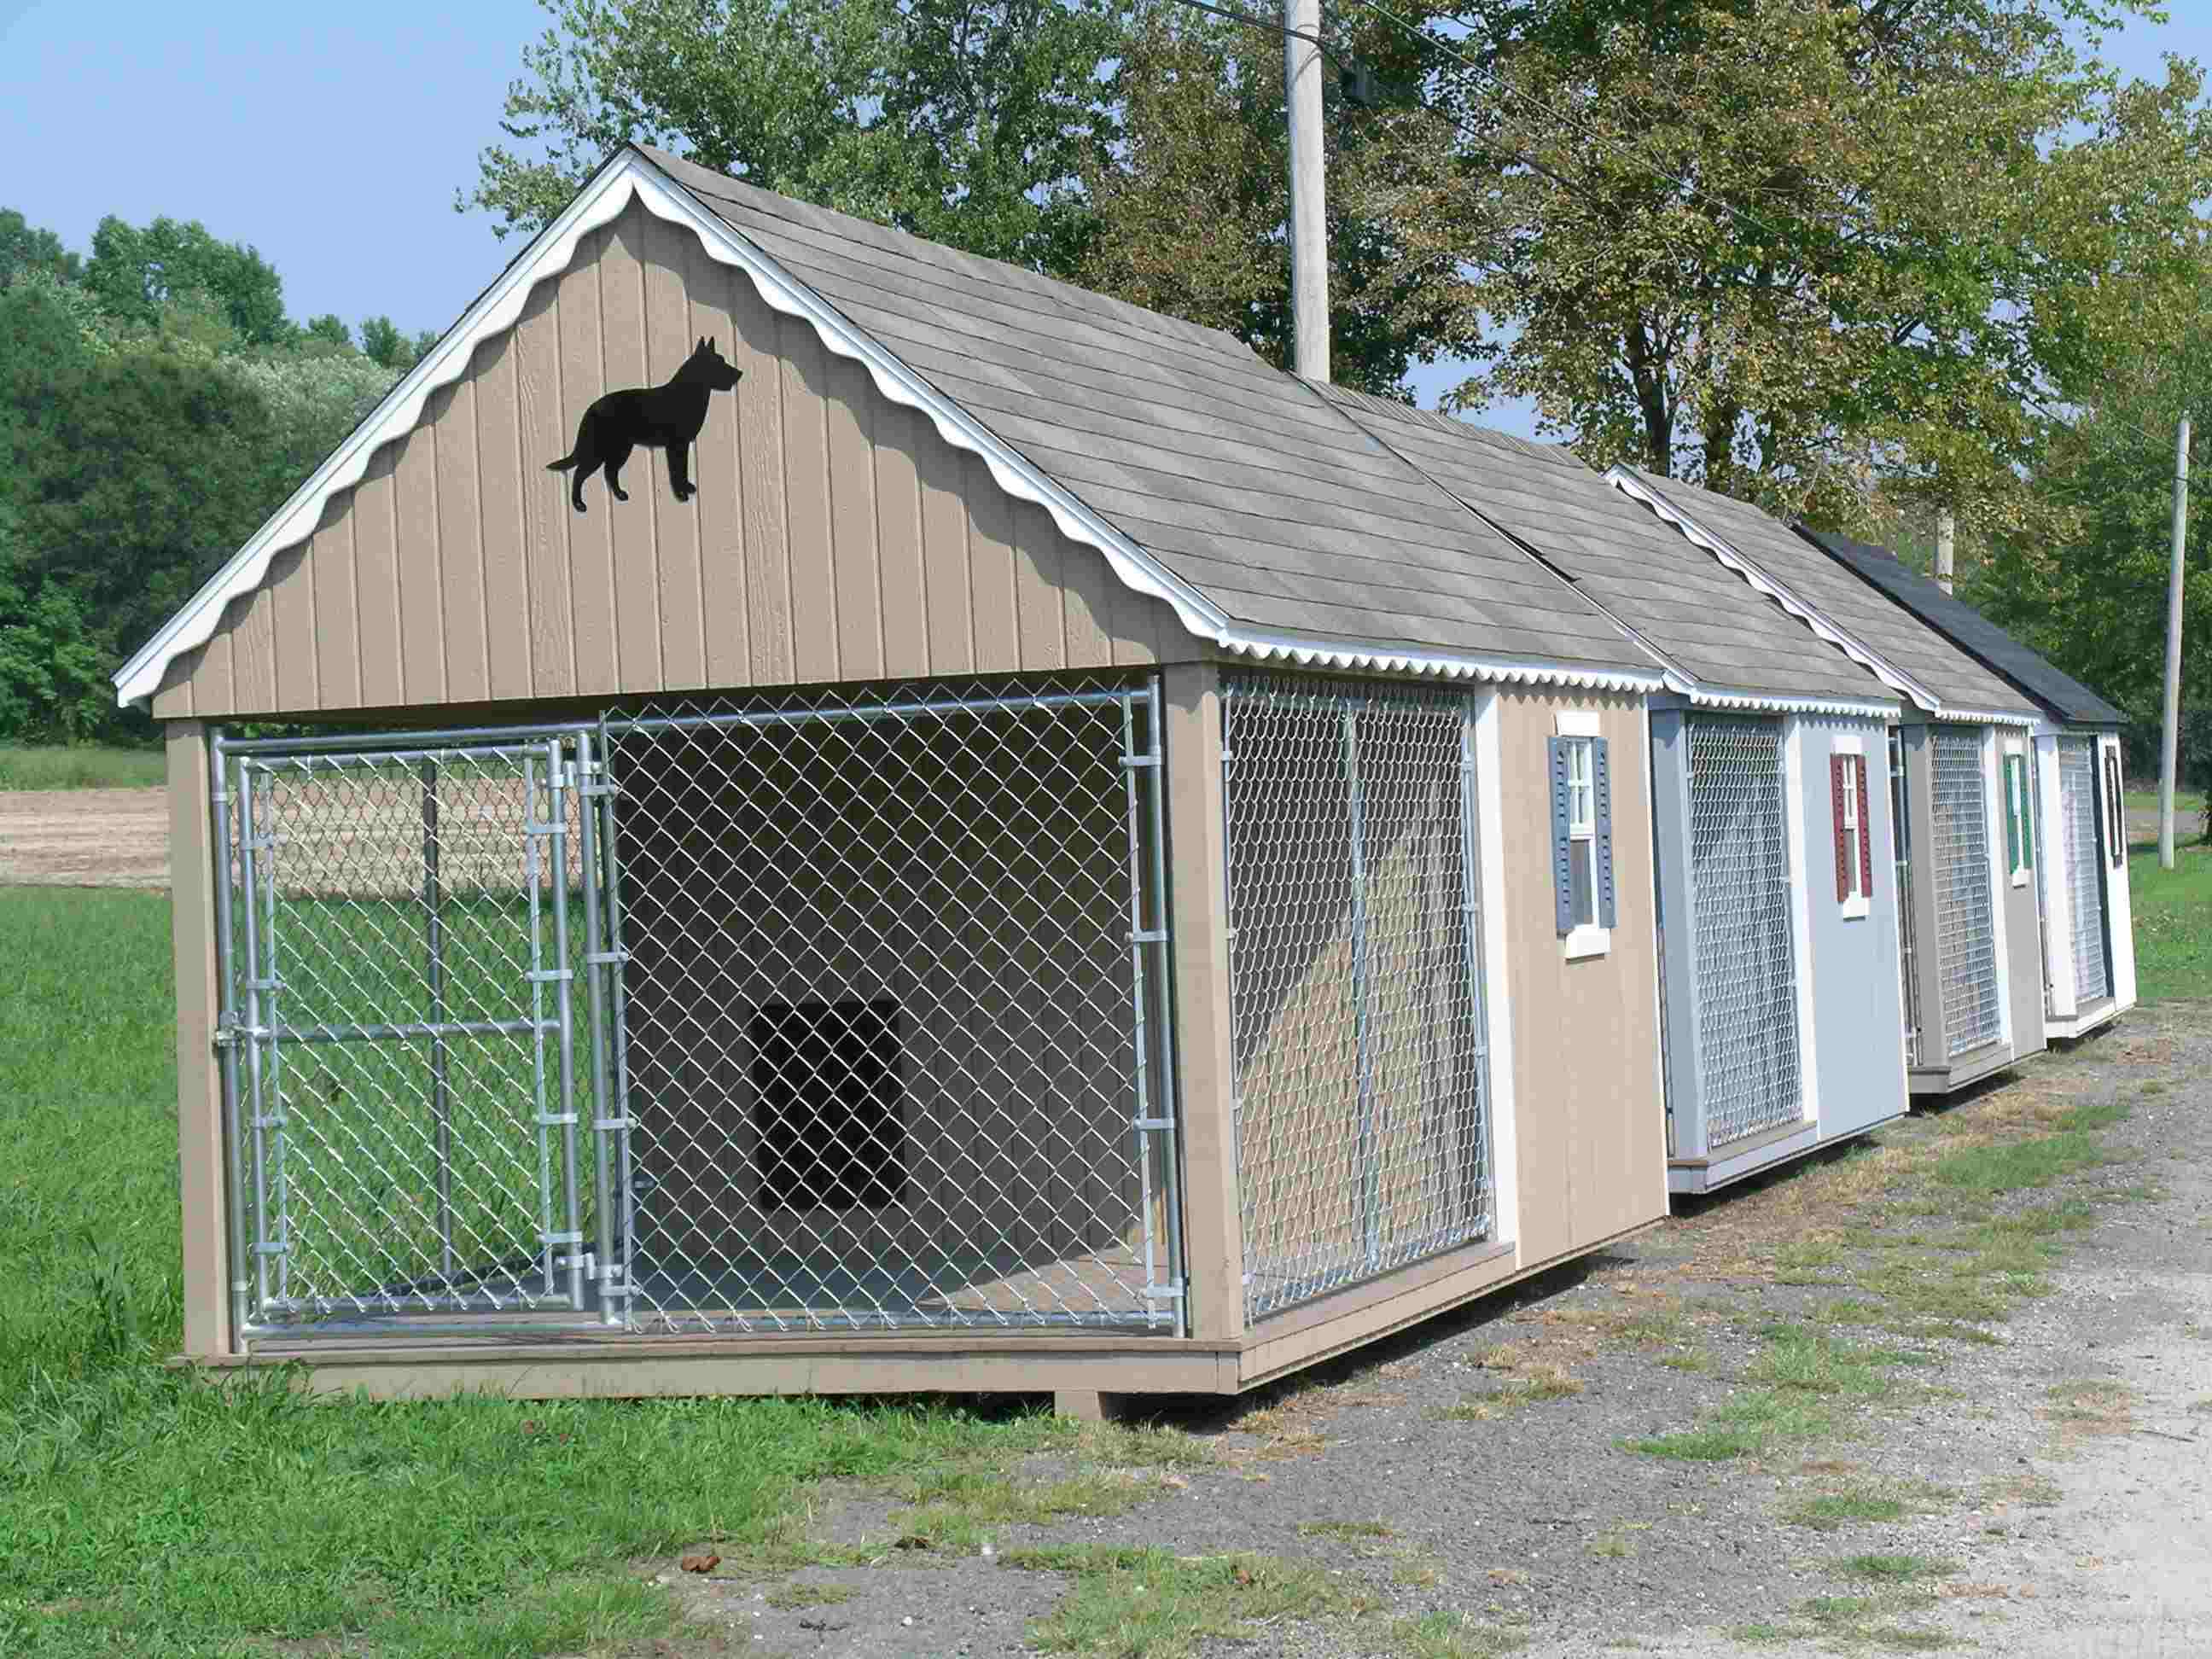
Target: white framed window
(1581, 835)
(2020, 833)
(1847, 794)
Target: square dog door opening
(828, 1105)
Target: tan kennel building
(1043, 875)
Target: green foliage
(27, 247)
(965, 121)
(134, 269)
(1793, 250)
(81, 767)
(2173, 927)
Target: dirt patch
(84, 838)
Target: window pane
(1581, 892)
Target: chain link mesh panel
(2084, 872)
(1965, 922)
(399, 927)
(891, 1029)
(1361, 1095)
(1748, 1038)
(1900, 851)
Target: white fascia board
(630, 176)
(1630, 485)
(1850, 707)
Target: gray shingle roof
(1703, 616)
(1854, 609)
(1235, 477)
(2065, 696)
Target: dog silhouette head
(707, 365)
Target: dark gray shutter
(1601, 788)
(1563, 879)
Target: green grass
(2172, 911)
(87, 768)
(146, 1513)
(1148, 1604)
(1446, 1635)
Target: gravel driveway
(2052, 1476)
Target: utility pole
(2170, 742)
(1947, 533)
(1308, 226)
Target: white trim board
(1629, 484)
(630, 176)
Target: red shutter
(1866, 832)
(1836, 810)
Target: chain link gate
(893, 986)
(1748, 1037)
(2084, 872)
(1361, 1107)
(1965, 920)
(397, 933)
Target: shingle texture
(2065, 696)
(1858, 611)
(1704, 617)
(1237, 478)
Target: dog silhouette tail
(562, 464)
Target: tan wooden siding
(1588, 1115)
(835, 535)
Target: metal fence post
(1370, 1171)
(434, 924)
(242, 1283)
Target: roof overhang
(628, 176)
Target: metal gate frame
(2088, 940)
(253, 1038)
(1333, 706)
(1971, 975)
(569, 762)
(1769, 1087)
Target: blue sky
(334, 140)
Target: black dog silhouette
(664, 417)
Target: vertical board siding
(421, 570)
(546, 434)
(502, 519)
(855, 543)
(583, 378)
(808, 556)
(679, 611)
(292, 624)
(377, 580)
(834, 534)
(633, 570)
(451, 417)
(1589, 1111)
(725, 556)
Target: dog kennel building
(2071, 774)
(1971, 949)
(1042, 875)
(1778, 930)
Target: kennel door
(403, 923)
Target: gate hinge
(616, 958)
(548, 975)
(1165, 1292)
(1149, 936)
(1151, 1123)
(593, 791)
(1133, 761)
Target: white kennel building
(2073, 774)
(1043, 875)
(1784, 1025)
(1968, 918)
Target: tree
(329, 331)
(1192, 198)
(1799, 252)
(135, 270)
(965, 121)
(25, 247)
